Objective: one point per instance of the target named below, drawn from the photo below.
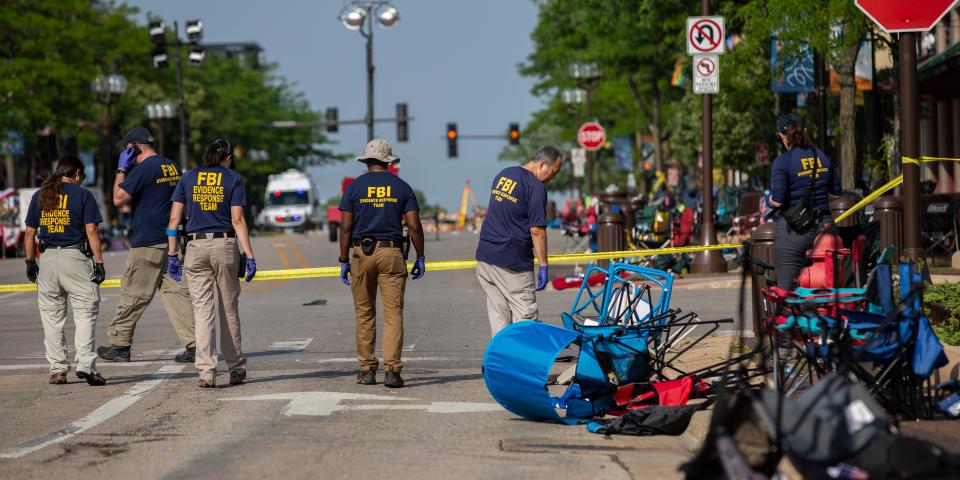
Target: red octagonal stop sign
(591, 136)
(905, 16)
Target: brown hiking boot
(207, 383)
(93, 379)
(392, 379)
(367, 377)
(58, 379)
(237, 377)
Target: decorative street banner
(794, 75)
(623, 153)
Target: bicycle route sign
(705, 35)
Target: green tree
(834, 29)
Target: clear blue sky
(450, 60)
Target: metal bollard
(888, 211)
(761, 249)
(610, 235)
(842, 204)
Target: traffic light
(514, 134)
(451, 140)
(332, 120)
(402, 133)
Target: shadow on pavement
(424, 381)
(299, 376)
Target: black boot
(114, 354)
(186, 356)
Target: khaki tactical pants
(213, 265)
(143, 274)
(65, 275)
(387, 270)
(510, 296)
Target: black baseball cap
(136, 135)
(784, 120)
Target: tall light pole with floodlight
(158, 34)
(359, 15)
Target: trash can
(887, 210)
(761, 248)
(610, 234)
(842, 204)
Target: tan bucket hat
(378, 149)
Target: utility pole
(369, 36)
(183, 109)
(708, 261)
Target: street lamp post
(587, 75)
(108, 88)
(359, 15)
(573, 98)
(161, 112)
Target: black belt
(204, 236)
(381, 243)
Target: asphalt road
(300, 414)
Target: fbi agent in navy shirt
(212, 197)
(145, 181)
(64, 217)
(789, 184)
(512, 233)
(374, 208)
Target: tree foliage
(51, 51)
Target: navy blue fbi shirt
(64, 225)
(518, 202)
(208, 193)
(151, 185)
(378, 201)
(790, 178)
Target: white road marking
(292, 345)
(160, 352)
(411, 359)
(409, 348)
(321, 404)
(98, 416)
(9, 294)
(31, 366)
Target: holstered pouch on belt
(368, 245)
(85, 248)
(182, 241)
(41, 246)
(405, 244)
(243, 265)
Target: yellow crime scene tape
(433, 266)
(441, 265)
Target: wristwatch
(343, 260)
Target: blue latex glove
(345, 273)
(251, 270)
(542, 278)
(174, 267)
(418, 268)
(126, 159)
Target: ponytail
(797, 136)
(216, 153)
(52, 186)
